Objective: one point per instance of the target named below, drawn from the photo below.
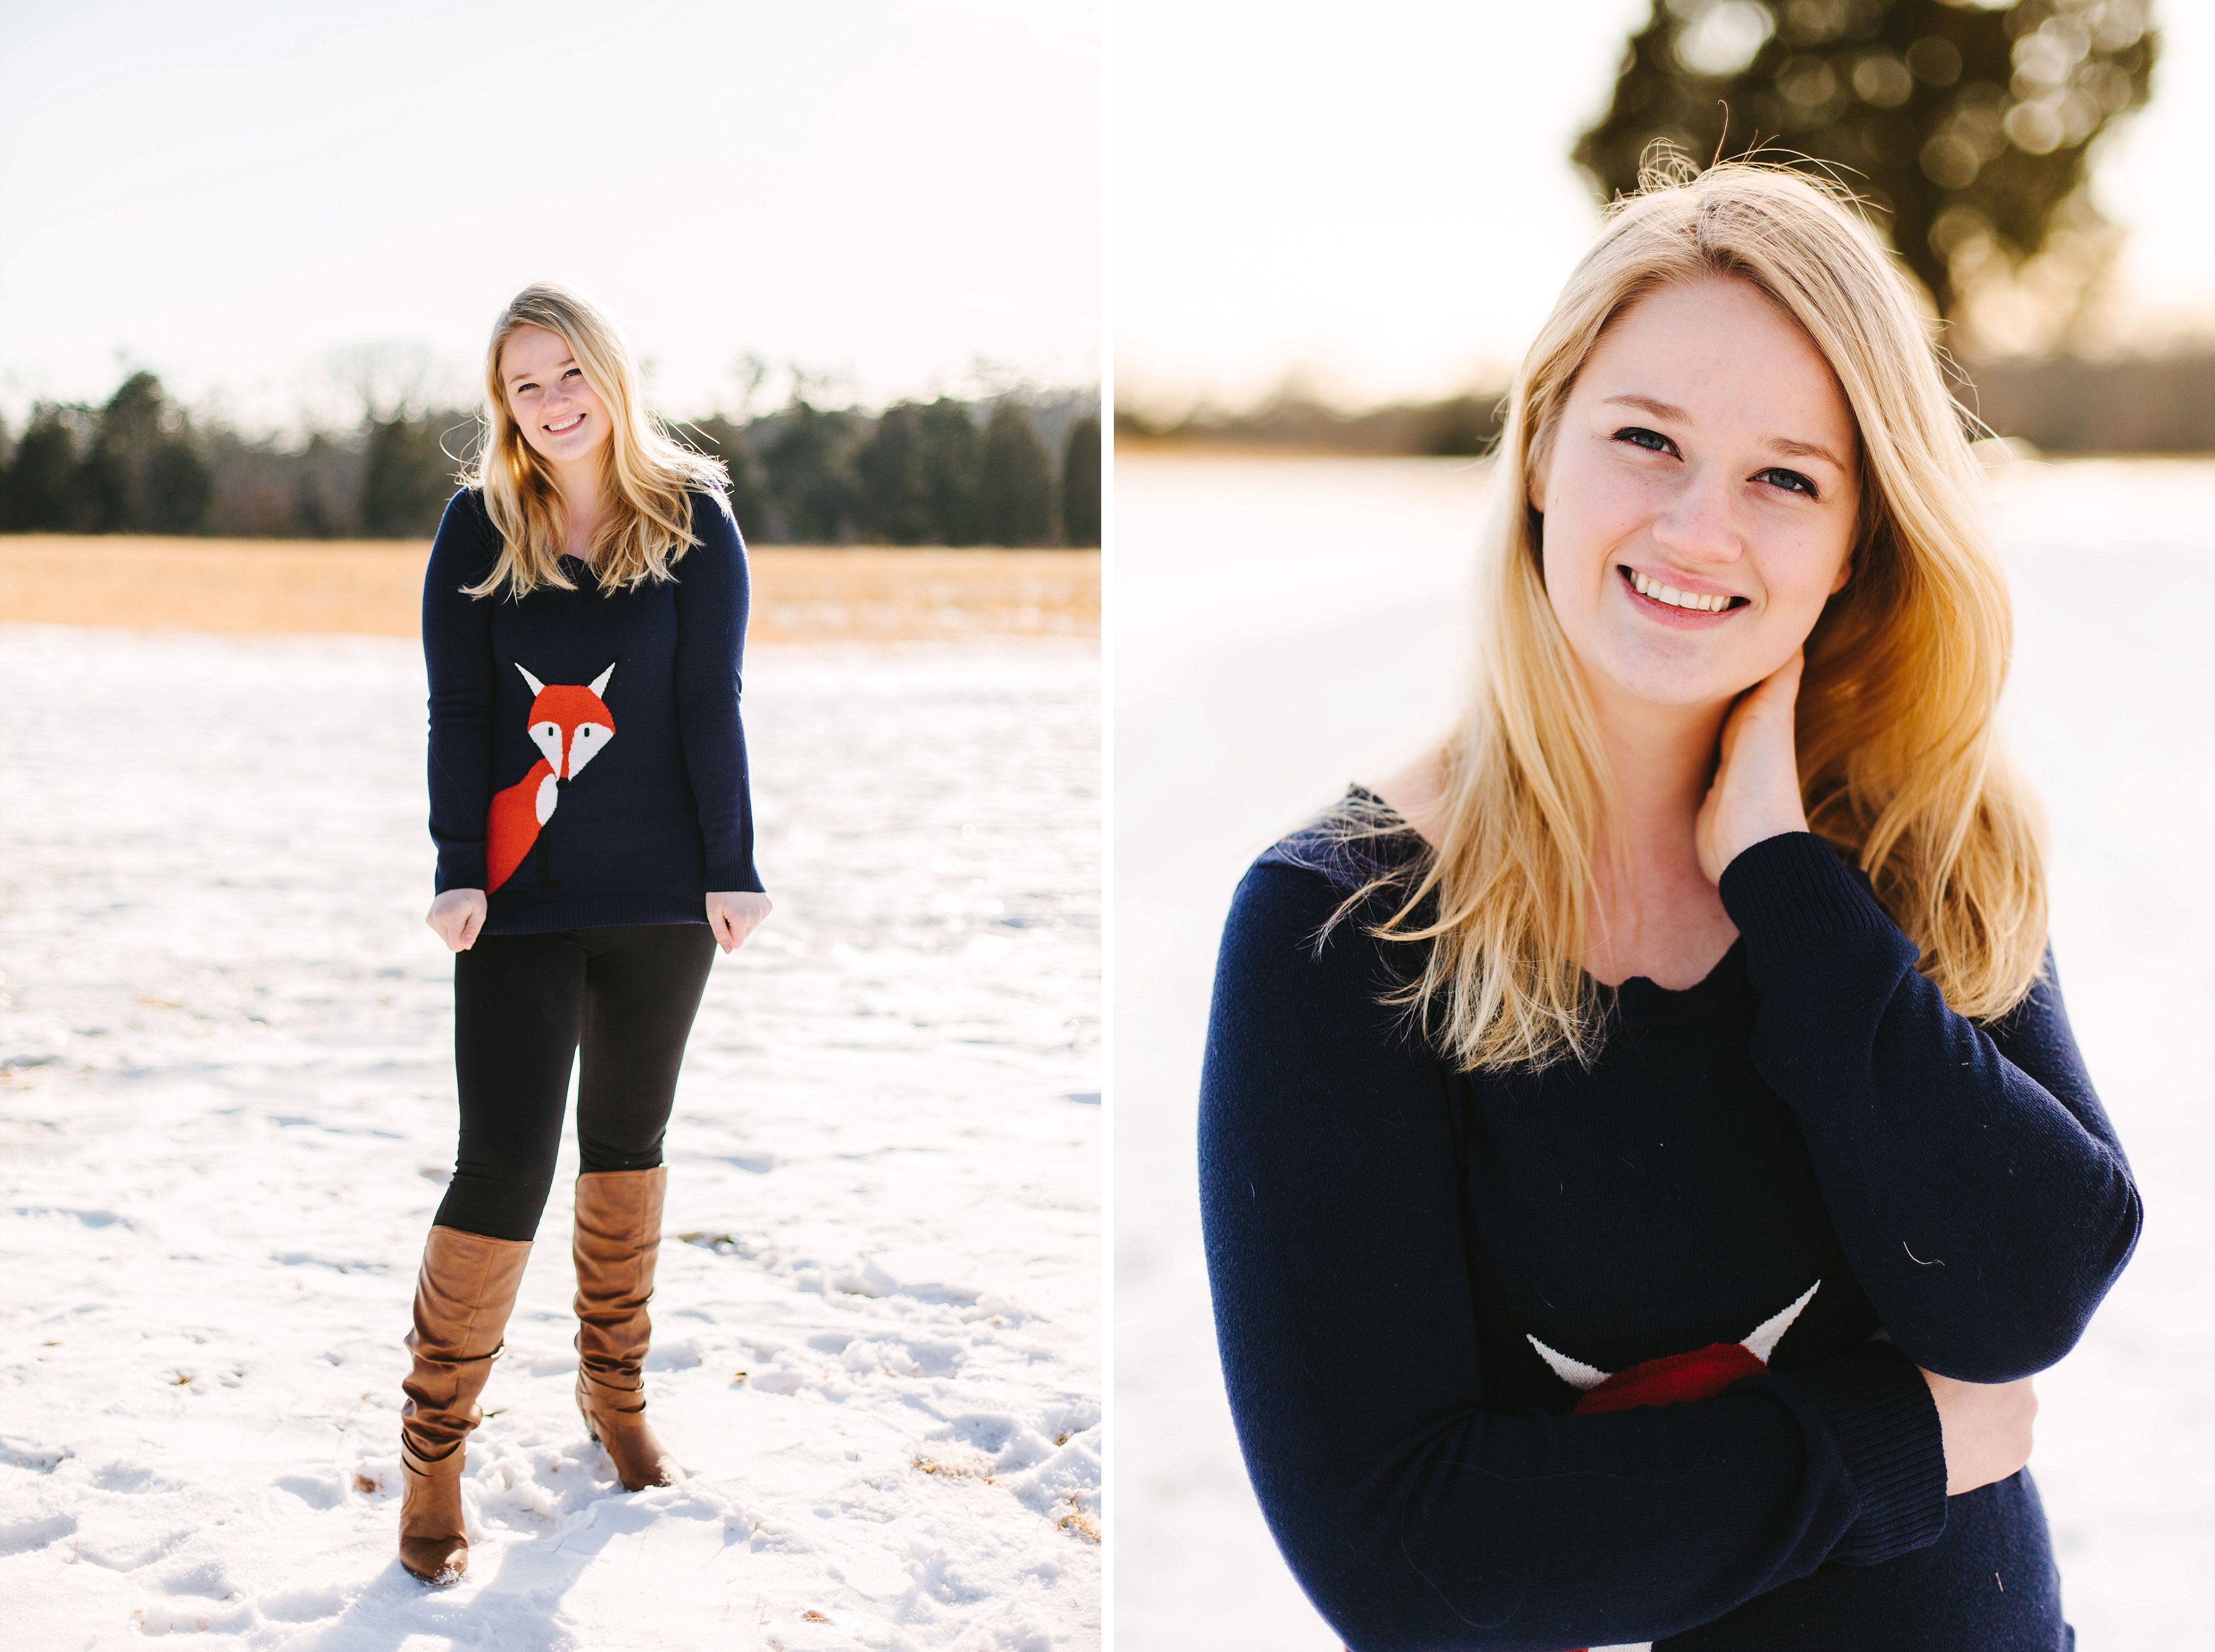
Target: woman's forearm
(1975, 1181)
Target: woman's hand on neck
(1756, 792)
(1695, 786)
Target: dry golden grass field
(801, 594)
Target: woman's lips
(1673, 613)
(563, 429)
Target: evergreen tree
(722, 438)
(327, 486)
(949, 456)
(1015, 481)
(179, 487)
(1964, 126)
(407, 476)
(810, 461)
(1080, 483)
(41, 496)
(892, 503)
(124, 437)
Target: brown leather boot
(464, 1295)
(618, 1237)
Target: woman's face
(559, 414)
(1699, 496)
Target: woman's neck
(1655, 912)
(583, 503)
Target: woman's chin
(1675, 685)
(569, 452)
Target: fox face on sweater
(1695, 1374)
(570, 725)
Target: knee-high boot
(618, 1237)
(464, 1295)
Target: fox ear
(1767, 1335)
(536, 687)
(600, 683)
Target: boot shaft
(617, 1241)
(464, 1293)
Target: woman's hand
(1985, 1428)
(735, 914)
(457, 915)
(1756, 794)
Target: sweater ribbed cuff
(1791, 889)
(1885, 1425)
(735, 877)
(461, 868)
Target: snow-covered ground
(1282, 627)
(226, 1114)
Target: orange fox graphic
(572, 724)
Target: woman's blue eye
(1652, 440)
(1790, 479)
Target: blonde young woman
(1644, 1153)
(583, 619)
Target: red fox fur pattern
(570, 725)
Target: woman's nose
(1700, 523)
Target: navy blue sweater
(587, 763)
(1418, 1273)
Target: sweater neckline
(1638, 998)
(1635, 998)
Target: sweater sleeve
(1976, 1184)
(458, 661)
(1412, 1515)
(712, 596)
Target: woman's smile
(562, 426)
(1682, 607)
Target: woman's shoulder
(1360, 840)
(468, 516)
(1319, 889)
(711, 509)
(714, 530)
(465, 533)
(1300, 938)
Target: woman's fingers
(456, 918)
(1985, 1429)
(736, 915)
(1756, 794)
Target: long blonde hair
(644, 473)
(1900, 763)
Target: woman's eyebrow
(1659, 409)
(1798, 449)
(566, 362)
(1785, 444)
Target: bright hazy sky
(242, 195)
(1378, 198)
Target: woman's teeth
(569, 425)
(1673, 596)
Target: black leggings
(523, 1004)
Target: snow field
(226, 1117)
